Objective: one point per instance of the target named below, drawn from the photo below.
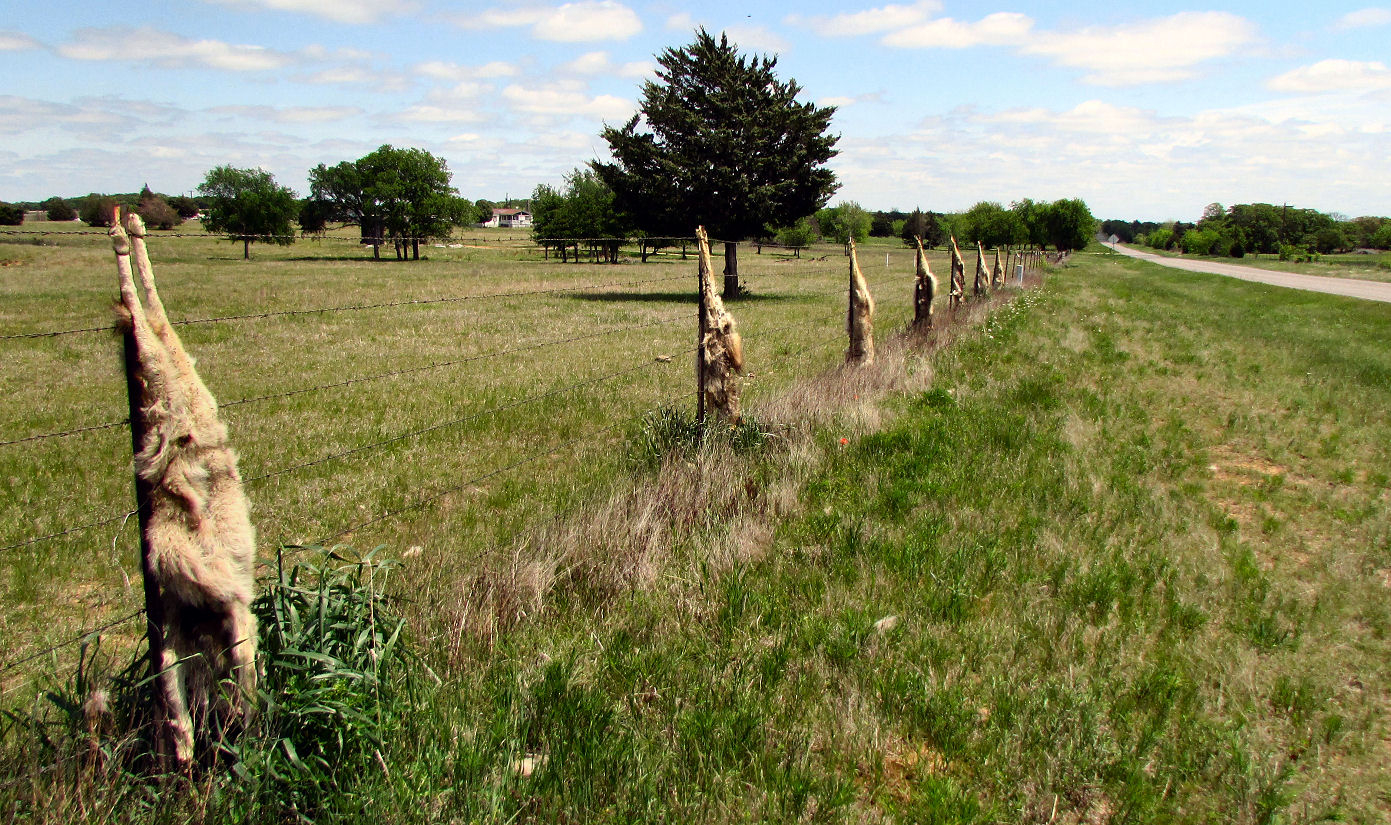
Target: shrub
(11, 214)
(158, 214)
(672, 431)
(59, 210)
(339, 675)
(96, 210)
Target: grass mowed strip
(1120, 553)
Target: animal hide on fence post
(859, 318)
(200, 545)
(997, 273)
(958, 277)
(721, 350)
(924, 289)
(978, 288)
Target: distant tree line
(1258, 228)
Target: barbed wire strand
(65, 433)
(439, 494)
(457, 421)
(362, 379)
(11, 665)
(353, 307)
(70, 530)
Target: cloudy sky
(1146, 111)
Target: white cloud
(681, 21)
(598, 63)
(1334, 76)
(1151, 51)
(757, 38)
(1108, 155)
(1363, 19)
(341, 11)
(869, 21)
(21, 114)
(360, 77)
(439, 113)
(443, 70)
(841, 101)
(583, 21)
(998, 29)
(290, 114)
(563, 100)
(17, 42)
(147, 45)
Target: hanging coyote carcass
(201, 544)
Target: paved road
(1370, 290)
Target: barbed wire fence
(421, 497)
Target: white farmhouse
(507, 217)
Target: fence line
(438, 493)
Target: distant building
(507, 217)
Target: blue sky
(1146, 111)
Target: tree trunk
(415, 249)
(246, 249)
(731, 270)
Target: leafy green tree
(719, 141)
(1382, 238)
(96, 210)
(483, 210)
(1331, 238)
(247, 205)
(1160, 238)
(186, 207)
(798, 236)
(402, 195)
(1070, 224)
(881, 225)
(156, 212)
(993, 225)
(844, 222)
(11, 214)
(585, 210)
(58, 209)
(1034, 218)
(411, 187)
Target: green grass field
(1119, 550)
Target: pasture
(386, 425)
(1117, 549)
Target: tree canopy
(585, 209)
(720, 141)
(402, 195)
(844, 222)
(247, 205)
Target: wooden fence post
(701, 327)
